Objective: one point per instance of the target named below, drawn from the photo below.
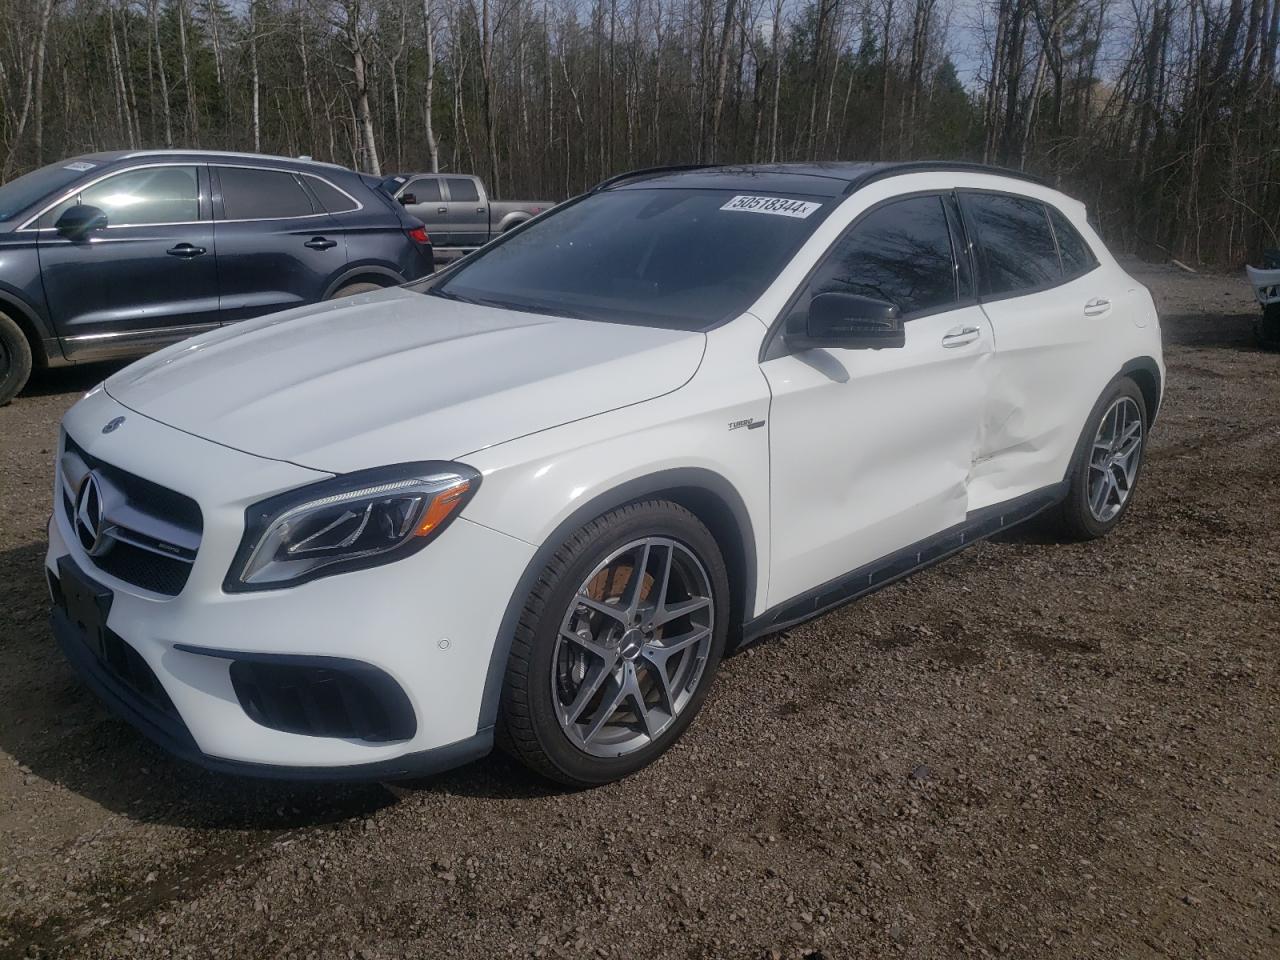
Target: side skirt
(977, 526)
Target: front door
(276, 250)
(871, 448)
(148, 278)
(429, 207)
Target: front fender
(708, 494)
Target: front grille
(323, 697)
(150, 534)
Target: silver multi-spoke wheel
(632, 647)
(1114, 457)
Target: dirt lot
(1035, 749)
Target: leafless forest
(1163, 114)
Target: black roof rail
(650, 172)
(938, 166)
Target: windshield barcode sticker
(778, 206)
(79, 165)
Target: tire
(550, 671)
(15, 359)
(1078, 516)
(1266, 329)
(351, 289)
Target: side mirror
(407, 198)
(848, 321)
(78, 221)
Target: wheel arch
(367, 273)
(706, 494)
(513, 220)
(30, 323)
(1145, 372)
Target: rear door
(871, 448)
(468, 212)
(1047, 320)
(277, 248)
(429, 206)
(149, 278)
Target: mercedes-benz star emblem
(88, 518)
(112, 424)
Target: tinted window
(330, 197)
(146, 196)
(261, 194)
(1077, 258)
(426, 190)
(463, 191)
(1015, 246)
(681, 259)
(900, 253)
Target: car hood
(395, 376)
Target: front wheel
(15, 359)
(1106, 469)
(617, 645)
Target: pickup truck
(456, 209)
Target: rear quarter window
(331, 198)
(1014, 242)
(1077, 257)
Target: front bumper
(429, 622)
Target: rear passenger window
(1077, 258)
(253, 194)
(900, 253)
(462, 191)
(330, 197)
(1015, 246)
(426, 190)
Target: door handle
(479, 209)
(442, 209)
(1097, 307)
(959, 336)
(185, 250)
(320, 243)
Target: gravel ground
(1034, 749)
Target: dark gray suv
(116, 254)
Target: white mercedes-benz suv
(535, 498)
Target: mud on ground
(1034, 750)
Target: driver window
(900, 253)
(151, 195)
(424, 190)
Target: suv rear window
(1015, 246)
(254, 194)
(680, 259)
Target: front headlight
(349, 522)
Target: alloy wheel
(632, 647)
(1113, 459)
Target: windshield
(680, 259)
(31, 188)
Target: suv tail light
(419, 235)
